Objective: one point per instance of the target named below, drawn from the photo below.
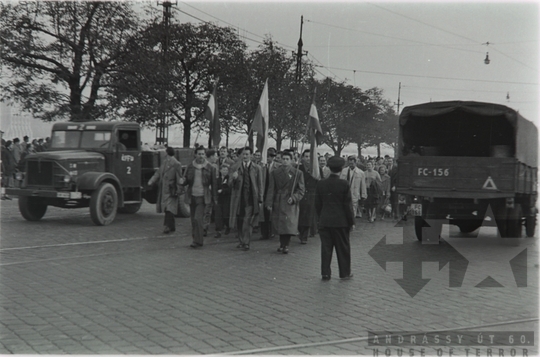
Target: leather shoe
(303, 242)
(240, 246)
(166, 230)
(347, 277)
(218, 235)
(280, 249)
(285, 250)
(326, 277)
(246, 247)
(194, 245)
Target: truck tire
(419, 223)
(530, 226)
(468, 225)
(31, 208)
(184, 211)
(103, 204)
(513, 222)
(130, 208)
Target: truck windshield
(71, 139)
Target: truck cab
(94, 164)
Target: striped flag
(316, 136)
(260, 123)
(212, 115)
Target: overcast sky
(436, 50)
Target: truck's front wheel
(31, 208)
(103, 204)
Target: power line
(232, 25)
(433, 77)
(449, 32)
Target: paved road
(68, 287)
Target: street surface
(69, 287)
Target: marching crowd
(236, 191)
(13, 152)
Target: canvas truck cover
(416, 122)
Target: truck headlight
(67, 178)
(19, 176)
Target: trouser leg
(246, 228)
(168, 221)
(197, 219)
(218, 212)
(207, 215)
(304, 231)
(327, 247)
(340, 238)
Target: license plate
(62, 194)
(433, 171)
(416, 209)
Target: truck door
(127, 165)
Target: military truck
(457, 159)
(94, 164)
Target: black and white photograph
(269, 178)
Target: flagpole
(303, 142)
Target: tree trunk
(378, 149)
(187, 132)
(359, 150)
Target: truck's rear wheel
(468, 225)
(183, 208)
(31, 208)
(130, 208)
(103, 204)
(530, 226)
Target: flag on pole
(213, 116)
(316, 136)
(260, 123)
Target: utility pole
(398, 98)
(162, 132)
(299, 54)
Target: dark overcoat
(333, 203)
(307, 208)
(285, 216)
(169, 187)
(255, 177)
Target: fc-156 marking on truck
(93, 164)
(456, 159)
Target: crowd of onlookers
(13, 152)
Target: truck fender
(89, 181)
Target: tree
(59, 55)
(178, 82)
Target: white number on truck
(439, 172)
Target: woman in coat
(170, 180)
(285, 190)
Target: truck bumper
(43, 193)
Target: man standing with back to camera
(334, 207)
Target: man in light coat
(285, 190)
(357, 182)
(170, 180)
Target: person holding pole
(285, 190)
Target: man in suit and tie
(247, 195)
(336, 219)
(357, 182)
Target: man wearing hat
(334, 207)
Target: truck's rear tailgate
(457, 177)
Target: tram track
(267, 350)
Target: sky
(435, 50)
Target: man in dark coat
(170, 180)
(247, 195)
(307, 210)
(336, 219)
(265, 217)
